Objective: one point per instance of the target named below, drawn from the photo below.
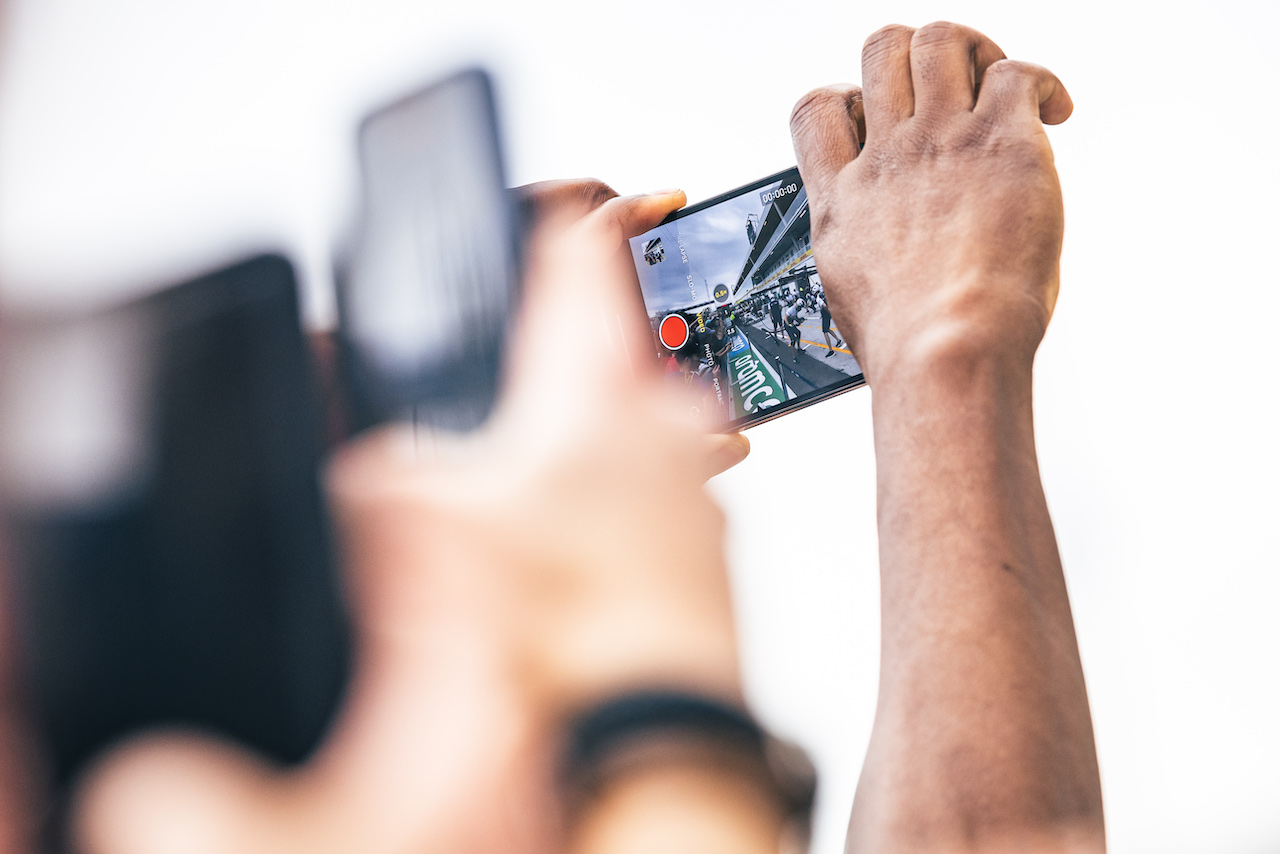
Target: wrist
(975, 326)
(954, 408)
(689, 767)
(952, 357)
(586, 665)
(951, 405)
(680, 807)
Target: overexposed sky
(143, 139)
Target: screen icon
(674, 332)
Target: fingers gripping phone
(429, 286)
(737, 308)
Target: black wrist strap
(621, 722)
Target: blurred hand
(943, 233)
(584, 495)
(497, 582)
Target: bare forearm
(983, 734)
(937, 228)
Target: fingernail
(665, 192)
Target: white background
(138, 139)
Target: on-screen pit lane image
(738, 311)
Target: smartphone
(428, 288)
(737, 308)
(171, 555)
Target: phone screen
(737, 307)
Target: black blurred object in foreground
(196, 585)
(428, 289)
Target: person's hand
(497, 582)
(942, 235)
(583, 497)
(938, 245)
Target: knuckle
(593, 192)
(939, 31)
(566, 196)
(1001, 66)
(999, 80)
(974, 134)
(1000, 144)
(885, 40)
(1009, 69)
(814, 105)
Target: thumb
(175, 792)
(625, 217)
(723, 451)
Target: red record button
(674, 332)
